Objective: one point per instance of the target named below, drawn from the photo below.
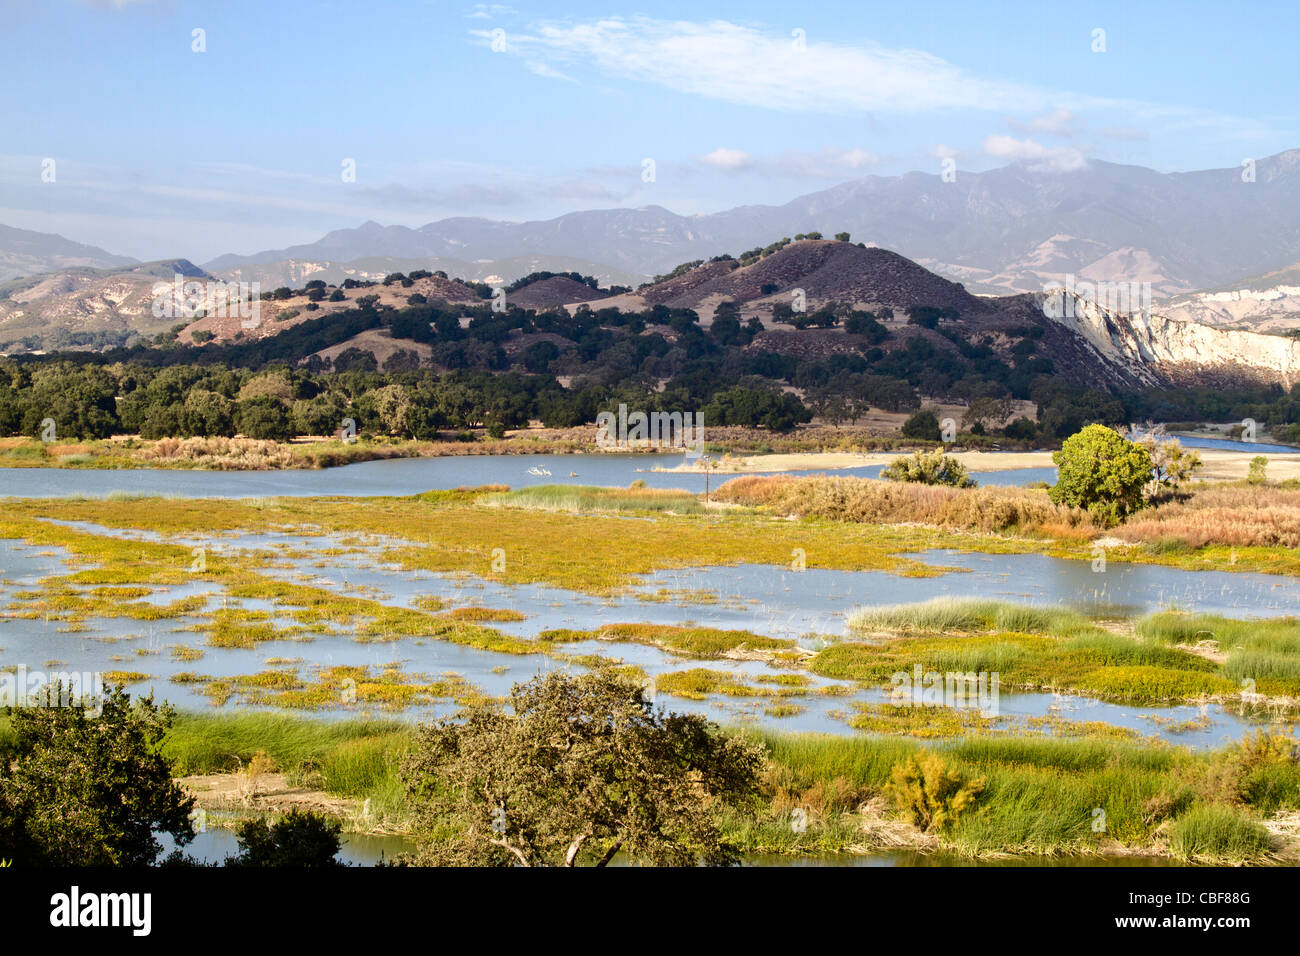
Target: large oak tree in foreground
(88, 787)
(573, 771)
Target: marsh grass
(1235, 514)
(1041, 795)
(862, 500)
(966, 615)
(1264, 651)
(593, 499)
(1057, 650)
(1213, 833)
(458, 535)
(700, 683)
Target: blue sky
(532, 110)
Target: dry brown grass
(1237, 515)
(865, 501)
(226, 454)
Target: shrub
(929, 468)
(300, 839)
(931, 794)
(500, 786)
(1258, 474)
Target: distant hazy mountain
(82, 307)
(1009, 229)
(295, 272)
(23, 252)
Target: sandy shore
(1219, 464)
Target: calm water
(807, 606)
(1254, 447)
(214, 845)
(402, 476)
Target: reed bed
(220, 454)
(865, 501)
(1238, 515)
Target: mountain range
(24, 253)
(1016, 228)
(1011, 229)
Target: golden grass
(864, 501)
(1237, 515)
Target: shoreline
(1218, 464)
(318, 454)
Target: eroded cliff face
(1260, 308)
(1159, 350)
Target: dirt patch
(266, 793)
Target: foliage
(756, 407)
(929, 468)
(300, 839)
(581, 768)
(1258, 474)
(1171, 463)
(1101, 471)
(923, 425)
(930, 793)
(78, 789)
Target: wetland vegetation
(245, 609)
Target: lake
(404, 476)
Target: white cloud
(741, 64)
(1034, 154)
(771, 69)
(550, 72)
(828, 163)
(486, 11)
(729, 160)
(1058, 122)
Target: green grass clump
(1103, 647)
(586, 498)
(1213, 832)
(366, 767)
(966, 615)
(216, 743)
(707, 642)
(1273, 673)
(937, 615)
(1143, 682)
(699, 683)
